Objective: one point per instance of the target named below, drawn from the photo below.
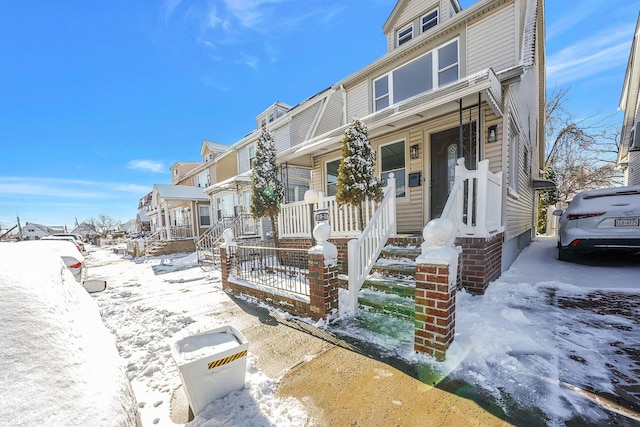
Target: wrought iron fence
(278, 268)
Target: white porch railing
(475, 202)
(294, 220)
(364, 251)
(180, 232)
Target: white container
(211, 363)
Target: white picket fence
(294, 220)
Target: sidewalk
(338, 384)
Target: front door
(444, 156)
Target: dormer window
(430, 20)
(263, 123)
(270, 117)
(405, 34)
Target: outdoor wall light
(414, 151)
(492, 133)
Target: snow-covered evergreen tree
(267, 191)
(356, 178)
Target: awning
(543, 184)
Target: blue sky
(100, 98)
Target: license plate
(627, 222)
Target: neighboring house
(288, 126)
(143, 222)
(87, 231)
(629, 151)
(454, 83)
(33, 231)
(179, 215)
(180, 170)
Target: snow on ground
(147, 302)
(529, 339)
(536, 339)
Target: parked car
(66, 249)
(70, 238)
(60, 365)
(606, 219)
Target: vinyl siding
(492, 43)
(282, 137)
(634, 168)
(243, 159)
(358, 104)
(301, 123)
(522, 100)
(226, 167)
(492, 151)
(332, 116)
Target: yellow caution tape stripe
(227, 359)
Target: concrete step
(387, 304)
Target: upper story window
(404, 35)
(429, 20)
(252, 155)
(423, 74)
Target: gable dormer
(210, 150)
(410, 19)
(278, 109)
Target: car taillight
(584, 215)
(76, 265)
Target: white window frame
(435, 75)
(514, 157)
(295, 190)
(251, 151)
(423, 23)
(395, 171)
(404, 35)
(326, 176)
(200, 216)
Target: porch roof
(231, 183)
(411, 111)
(180, 192)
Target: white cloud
(602, 52)
(65, 189)
(148, 165)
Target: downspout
(195, 227)
(480, 129)
(460, 133)
(166, 219)
(344, 104)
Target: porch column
(436, 277)
(167, 220)
(225, 256)
(323, 275)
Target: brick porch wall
(323, 289)
(481, 262)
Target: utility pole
(19, 229)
